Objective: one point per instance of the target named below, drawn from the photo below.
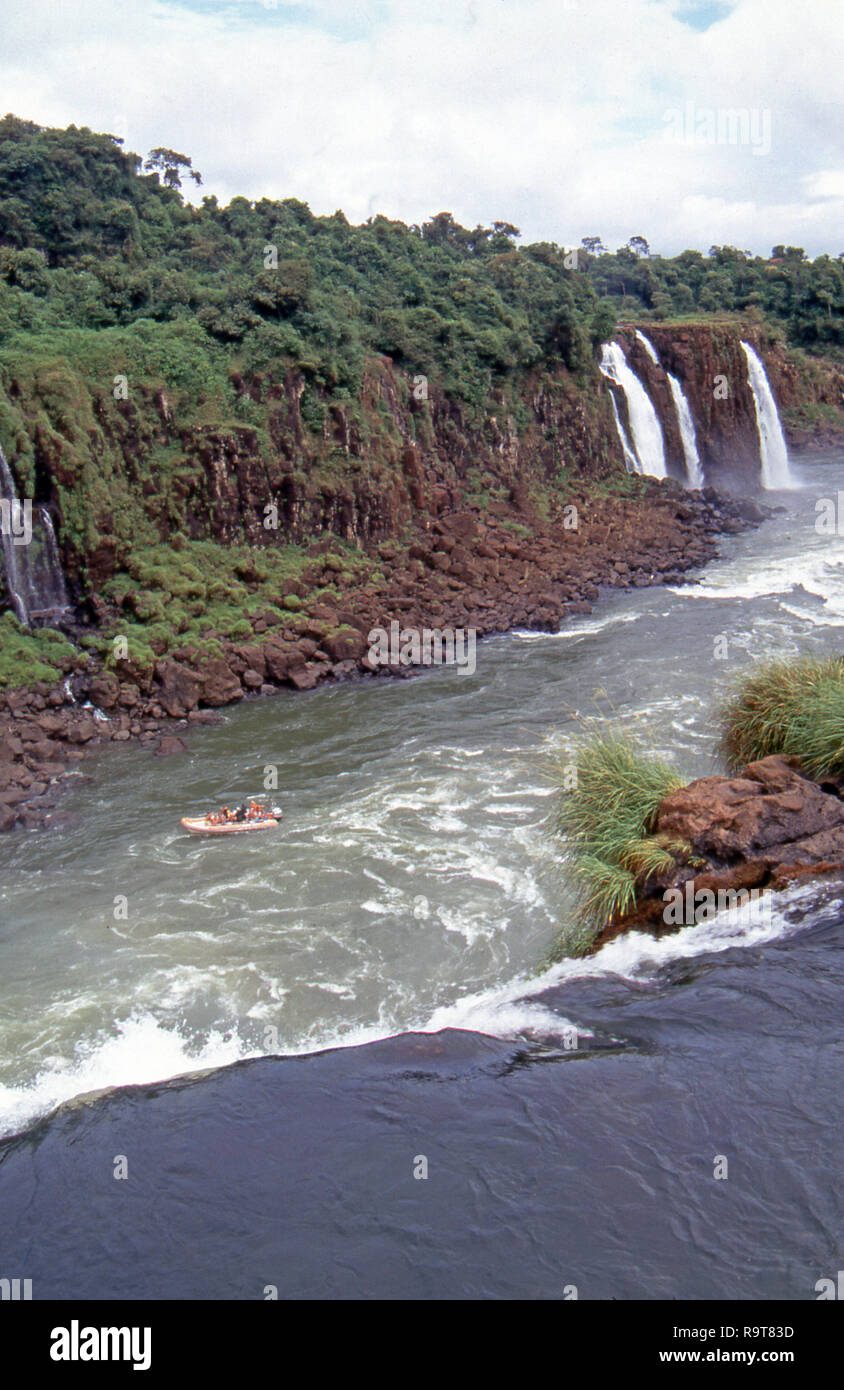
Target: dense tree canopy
(93, 237)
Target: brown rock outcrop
(178, 688)
(770, 812)
(764, 828)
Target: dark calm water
(414, 889)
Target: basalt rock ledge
(765, 828)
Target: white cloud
(549, 113)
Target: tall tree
(169, 163)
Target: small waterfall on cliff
(649, 348)
(31, 562)
(694, 470)
(629, 454)
(776, 472)
(647, 442)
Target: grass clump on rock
(606, 809)
(795, 708)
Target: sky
(688, 122)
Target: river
(415, 887)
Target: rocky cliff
(277, 463)
(214, 555)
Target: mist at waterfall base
(644, 448)
(415, 886)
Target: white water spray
(647, 441)
(776, 472)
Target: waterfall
(629, 456)
(30, 555)
(772, 446)
(649, 348)
(694, 470)
(647, 442)
(13, 527)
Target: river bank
(469, 570)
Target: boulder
(168, 745)
(253, 656)
(278, 661)
(769, 806)
(82, 731)
(301, 677)
(220, 686)
(52, 723)
(104, 690)
(178, 688)
(345, 644)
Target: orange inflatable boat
(199, 825)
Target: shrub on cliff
(606, 808)
(794, 708)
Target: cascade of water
(12, 541)
(776, 472)
(647, 441)
(54, 592)
(31, 562)
(629, 456)
(694, 469)
(649, 348)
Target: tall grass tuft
(794, 708)
(607, 819)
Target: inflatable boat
(199, 825)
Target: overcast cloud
(553, 114)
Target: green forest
(103, 260)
